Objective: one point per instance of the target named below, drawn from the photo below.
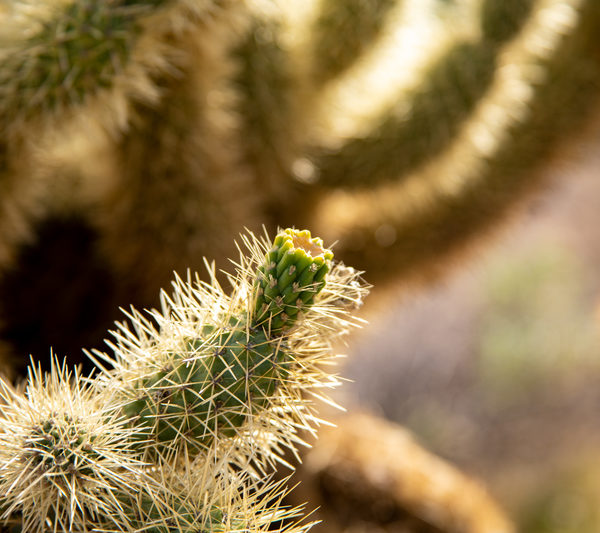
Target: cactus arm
(501, 21)
(471, 187)
(179, 173)
(65, 455)
(71, 53)
(90, 55)
(237, 366)
(428, 117)
(404, 138)
(342, 32)
(265, 86)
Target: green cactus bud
(291, 276)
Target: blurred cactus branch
(424, 123)
(500, 21)
(343, 32)
(268, 123)
(436, 210)
(180, 173)
(427, 118)
(70, 52)
(418, 493)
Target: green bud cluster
(59, 447)
(292, 275)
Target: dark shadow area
(59, 295)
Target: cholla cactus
(64, 456)
(202, 396)
(165, 126)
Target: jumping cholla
(180, 427)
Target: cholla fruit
(64, 456)
(290, 278)
(212, 368)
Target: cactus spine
(170, 438)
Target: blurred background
(449, 148)
(496, 368)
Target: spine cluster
(199, 398)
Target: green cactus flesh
(72, 56)
(211, 388)
(178, 517)
(59, 447)
(292, 275)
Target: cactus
(65, 456)
(196, 118)
(490, 166)
(201, 395)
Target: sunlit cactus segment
(292, 275)
(177, 516)
(64, 456)
(209, 390)
(227, 370)
(77, 52)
